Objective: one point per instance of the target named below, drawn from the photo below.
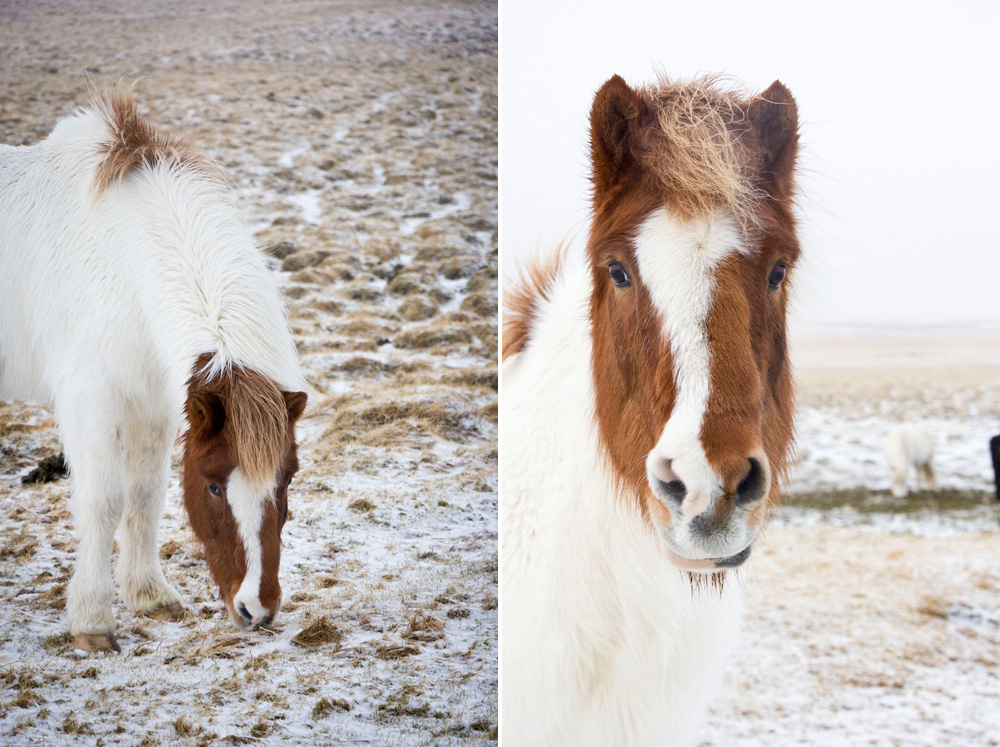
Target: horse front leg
(97, 464)
(147, 466)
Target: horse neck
(558, 486)
(204, 284)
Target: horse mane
(134, 142)
(521, 301)
(693, 148)
(256, 416)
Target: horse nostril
(665, 481)
(244, 612)
(751, 487)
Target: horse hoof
(173, 612)
(96, 643)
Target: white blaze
(247, 502)
(677, 262)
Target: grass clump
(424, 628)
(318, 633)
(20, 547)
(325, 706)
(430, 337)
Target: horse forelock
(133, 142)
(256, 417)
(258, 425)
(693, 147)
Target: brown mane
(134, 141)
(522, 299)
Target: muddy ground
(361, 141)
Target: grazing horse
(909, 446)
(131, 294)
(647, 417)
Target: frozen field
(872, 620)
(361, 140)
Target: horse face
(237, 513)
(693, 390)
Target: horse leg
(92, 440)
(899, 488)
(147, 466)
(927, 472)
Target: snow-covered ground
(362, 144)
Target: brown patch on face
(522, 299)
(216, 442)
(632, 366)
(134, 142)
(694, 150)
(730, 430)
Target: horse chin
(709, 565)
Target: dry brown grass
(432, 336)
(392, 651)
(377, 423)
(318, 633)
(424, 628)
(20, 547)
(325, 706)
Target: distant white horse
(909, 446)
(130, 290)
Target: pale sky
(900, 121)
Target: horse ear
(774, 118)
(616, 107)
(206, 413)
(295, 403)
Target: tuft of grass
(21, 548)
(183, 726)
(480, 305)
(61, 643)
(319, 632)
(432, 336)
(424, 628)
(374, 422)
(401, 703)
(362, 505)
(482, 280)
(418, 308)
(392, 651)
(71, 725)
(325, 706)
(27, 698)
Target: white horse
(909, 446)
(647, 413)
(124, 262)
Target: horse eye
(214, 490)
(776, 276)
(618, 275)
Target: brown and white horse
(131, 291)
(647, 417)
